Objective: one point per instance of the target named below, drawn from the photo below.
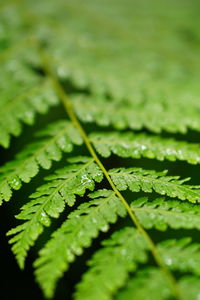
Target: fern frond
(117, 65)
(155, 117)
(57, 138)
(137, 179)
(76, 233)
(23, 108)
(110, 266)
(143, 145)
(161, 213)
(49, 201)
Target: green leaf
(57, 138)
(150, 283)
(152, 114)
(49, 201)
(161, 213)
(143, 145)
(23, 108)
(110, 266)
(182, 255)
(75, 234)
(137, 179)
(190, 287)
(146, 284)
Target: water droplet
(80, 233)
(85, 179)
(77, 250)
(15, 183)
(105, 228)
(70, 255)
(143, 147)
(45, 220)
(126, 146)
(124, 252)
(94, 220)
(168, 261)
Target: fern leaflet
(181, 255)
(49, 201)
(137, 179)
(23, 108)
(161, 213)
(57, 138)
(143, 145)
(154, 282)
(76, 233)
(156, 286)
(136, 116)
(111, 265)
